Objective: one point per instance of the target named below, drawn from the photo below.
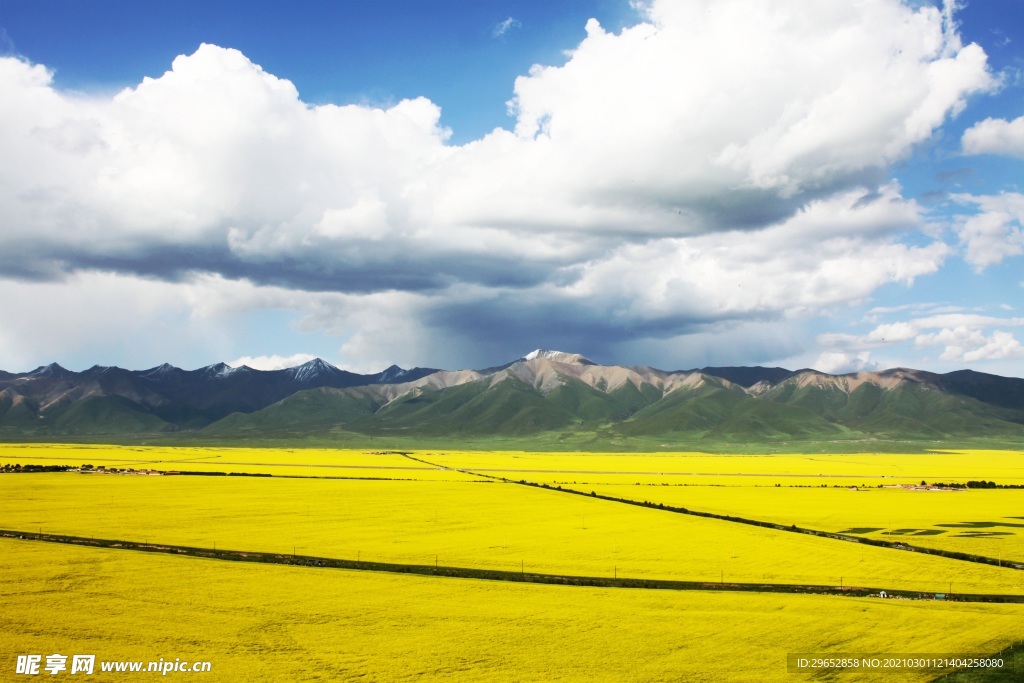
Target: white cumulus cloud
(722, 161)
(995, 136)
(839, 362)
(996, 232)
(271, 362)
(963, 338)
(969, 345)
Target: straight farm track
(496, 575)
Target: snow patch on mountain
(51, 370)
(160, 372)
(558, 357)
(313, 369)
(392, 375)
(223, 370)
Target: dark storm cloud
(510, 325)
(409, 272)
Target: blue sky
(340, 52)
(454, 183)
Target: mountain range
(543, 392)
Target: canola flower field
(468, 510)
(787, 470)
(266, 623)
(479, 524)
(280, 462)
(975, 521)
(811, 491)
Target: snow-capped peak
(51, 370)
(222, 370)
(558, 357)
(391, 374)
(160, 371)
(312, 369)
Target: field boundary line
(496, 574)
(792, 528)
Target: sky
(452, 184)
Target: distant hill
(111, 400)
(541, 392)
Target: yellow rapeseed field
(863, 469)
(987, 522)
(484, 524)
(276, 623)
(871, 469)
(301, 462)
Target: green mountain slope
(314, 411)
(909, 410)
(549, 396)
(92, 415)
(508, 407)
(720, 411)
